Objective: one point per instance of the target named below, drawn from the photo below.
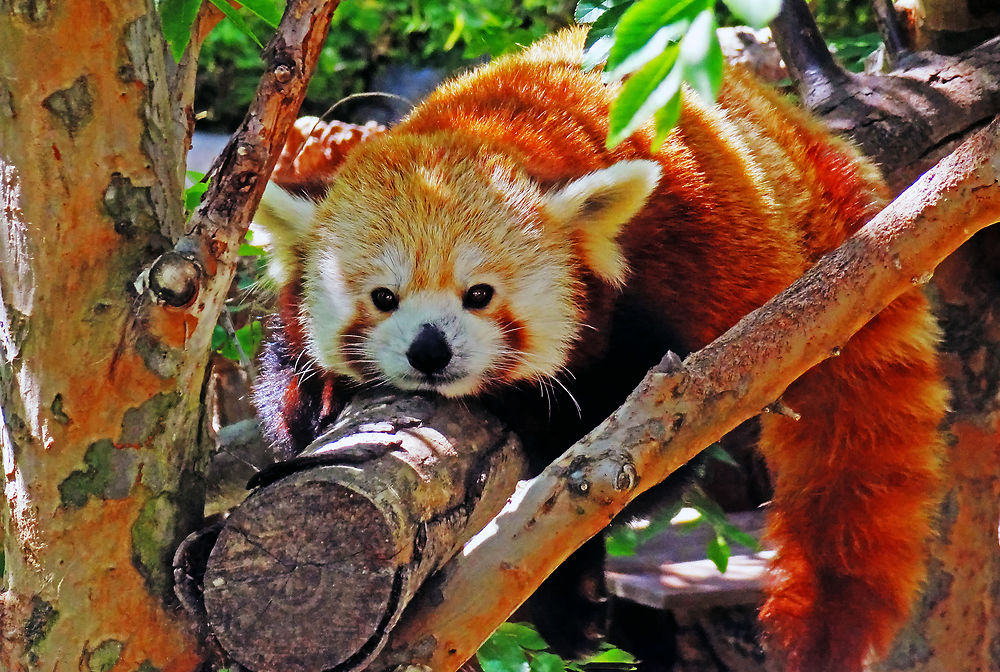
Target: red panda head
(433, 265)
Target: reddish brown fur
(748, 200)
(752, 192)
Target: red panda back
(753, 192)
(750, 193)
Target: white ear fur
(598, 206)
(286, 219)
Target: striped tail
(855, 490)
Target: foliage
(624, 540)
(654, 46)
(843, 18)
(852, 51)
(517, 647)
(194, 193)
(178, 16)
(366, 38)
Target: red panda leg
(855, 487)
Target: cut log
(314, 568)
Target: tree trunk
(338, 540)
(109, 299)
(956, 623)
(950, 26)
(101, 416)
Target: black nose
(429, 352)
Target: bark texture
(956, 624)
(100, 460)
(338, 545)
(101, 380)
(905, 122)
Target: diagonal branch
(805, 53)
(680, 408)
(242, 169)
(195, 276)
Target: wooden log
(314, 568)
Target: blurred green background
(405, 47)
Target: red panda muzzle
(429, 352)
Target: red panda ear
(286, 219)
(596, 207)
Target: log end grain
(320, 588)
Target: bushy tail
(855, 487)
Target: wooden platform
(671, 571)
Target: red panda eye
(478, 296)
(385, 300)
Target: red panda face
(448, 271)
(438, 276)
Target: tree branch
(195, 276)
(893, 36)
(805, 53)
(905, 120)
(336, 541)
(680, 408)
(241, 171)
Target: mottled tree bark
(956, 623)
(101, 379)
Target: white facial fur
(428, 229)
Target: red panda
(491, 245)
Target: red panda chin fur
(752, 192)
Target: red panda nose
(429, 352)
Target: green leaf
(237, 20)
(588, 11)
(698, 38)
(643, 93)
(706, 506)
(612, 655)
(547, 662)
(713, 514)
(606, 23)
(248, 250)
(720, 454)
(647, 52)
(500, 653)
(702, 57)
(268, 10)
(665, 119)
(621, 541)
(178, 18)
(193, 195)
(597, 53)
(852, 51)
(524, 635)
(248, 337)
(718, 552)
(736, 535)
(456, 31)
(601, 36)
(757, 13)
(219, 337)
(646, 19)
